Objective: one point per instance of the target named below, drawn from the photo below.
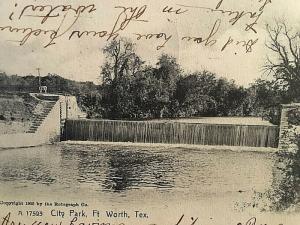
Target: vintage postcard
(143, 112)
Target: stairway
(40, 117)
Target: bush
(294, 117)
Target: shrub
(294, 117)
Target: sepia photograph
(182, 112)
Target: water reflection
(118, 170)
(128, 174)
(129, 169)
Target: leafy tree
(228, 97)
(265, 99)
(147, 91)
(91, 104)
(121, 60)
(167, 73)
(203, 94)
(118, 72)
(194, 94)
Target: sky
(81, 59)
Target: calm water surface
(131, 174)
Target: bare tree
(284, 64)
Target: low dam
(172, 133)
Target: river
(149, 176)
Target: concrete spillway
(172, 133)
(49, 115)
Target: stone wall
(289, 128)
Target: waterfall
(171, 133)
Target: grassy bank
(16, 112)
